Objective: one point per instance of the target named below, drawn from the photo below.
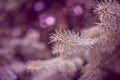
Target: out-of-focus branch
(62, 65)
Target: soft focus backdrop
(25, 26)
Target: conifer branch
(94, 44)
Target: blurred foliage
(25, 26)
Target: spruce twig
(86, 47)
